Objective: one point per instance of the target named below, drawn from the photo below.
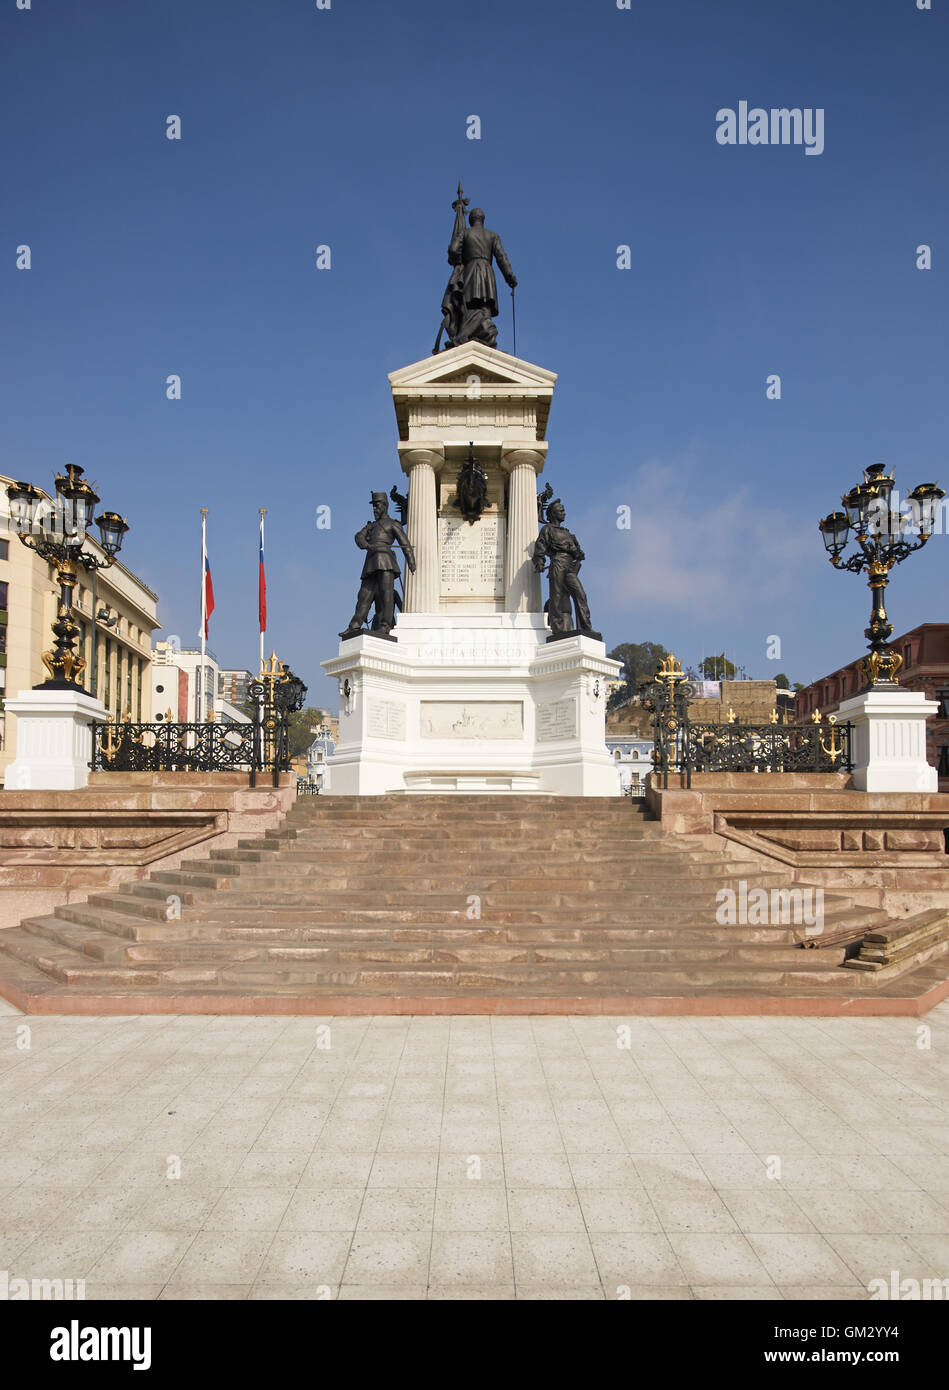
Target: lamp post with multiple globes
(881, 530)
(55, 528)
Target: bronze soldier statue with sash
(562, 548)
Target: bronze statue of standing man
(562, 548)
(470, 303)
(380, 570)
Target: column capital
(516, 456)
(410, 458)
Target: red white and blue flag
(207, 588)
(262, 583)
(208, 594)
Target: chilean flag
(208, 595)
(262, 584)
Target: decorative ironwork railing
(679, 746)
(823, 747)
(166, 746)
(170, 747)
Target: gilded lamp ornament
(56, 527)
(885, 535)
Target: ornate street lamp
(880, 530)
(56, 529)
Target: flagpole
(263, 511)
(198, 713)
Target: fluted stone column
(423, 588)
(521, 583)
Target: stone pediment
(457, 364)
(434, 397)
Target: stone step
(698, 929)
(693, 926)
(221, 861)
(71, 969)
(470, 805)
(267, 888)
(347, 953)
(87, 940)
(542, 845)
(606, 980)
(70, 966)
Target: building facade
(634, 761)
(925, 653)
(233, 686)
(116, 613)
(186, 691)
(317, 757)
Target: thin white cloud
(691, 546)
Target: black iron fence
(823, 747)
(263, 745)
(169, 747)
(682, 747)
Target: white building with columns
(472, 696)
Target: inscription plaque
(557, 719)
(472, 557)
(385, 719)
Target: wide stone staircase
(450, 904)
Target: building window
(138, 697)
(4, 550)
(4, 592)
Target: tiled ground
(474, 1157)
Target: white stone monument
(471, 696)
(889, 740)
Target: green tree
(302, 724)
(718, 668)
(782, 682)
(640, 660)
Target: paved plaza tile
(235, 1158)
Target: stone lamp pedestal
(889, 740)
(53, 739)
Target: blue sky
(347, 127)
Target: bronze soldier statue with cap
(380, 570)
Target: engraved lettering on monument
(385, 719)
(556, 719)
(472, 556)
(485, 719)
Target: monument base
(472, 704)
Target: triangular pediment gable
(456, 365)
